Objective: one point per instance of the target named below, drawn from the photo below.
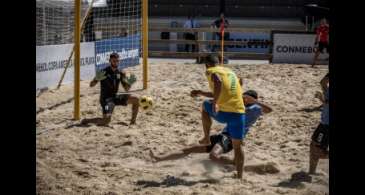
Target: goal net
(107, 26)
(55, 21)
(117, 28)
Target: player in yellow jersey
(221, 142)
(226, 107)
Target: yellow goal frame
(77, 34)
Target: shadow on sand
(170, 181)
(296, 180)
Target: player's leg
(238, 156)
(221, 144)
(313, 158)
(107, 109)
(318, 51)
(207, 111)
(193, 46)
(187, 46)
(192, 38)
(124, 100)
(135, 106)
(236, 129)
(315, 58)
(316, 153)
(181, 153)
(318, 147)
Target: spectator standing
(190, 23)
(217, 24)
(322, 39)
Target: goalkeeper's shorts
(108, 104)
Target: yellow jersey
(230, 97)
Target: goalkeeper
(109, 79)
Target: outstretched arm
(265, 108)
(93, 83)
(100, 75)
(207, 94)
(124, 81)
(215, 94)
(195, 93)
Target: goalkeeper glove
(132, 79)
(100, 75)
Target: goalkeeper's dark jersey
(109, 86)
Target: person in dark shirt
(190, 23)
(110, 78)
(322, 39)
(217, 24)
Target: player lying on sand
(320, 137)
(110, 78)
(221, 143)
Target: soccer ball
(145, 102)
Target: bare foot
(84, 122)
(133, 122)
(204, 141)
(236, 176)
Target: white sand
(115, 159)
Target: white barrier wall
(51, 60)
(295, 48)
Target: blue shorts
(235, 121)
